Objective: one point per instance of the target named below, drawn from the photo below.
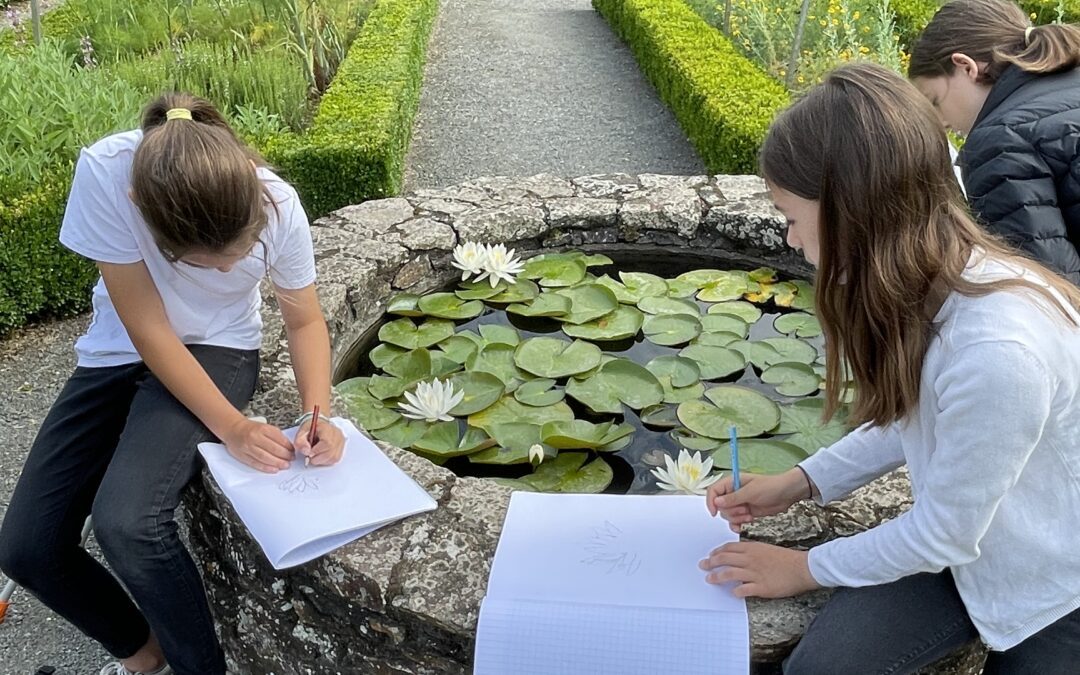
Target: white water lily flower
(501, 265)
(689, 476)
(432, 401)
(536, 453)
(471, 258)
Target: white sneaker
(117, 668)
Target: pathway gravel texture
(519, 87)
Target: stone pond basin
(405, 599)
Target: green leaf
(792, 350)
(402, 433)
(588, 302)
(665, 305)
(539, 393)
(507, 409)
(699, 278)
(523, 290)
(680, 289)
(729, 286)
(749, 411)
(623, 323)
(804, 297)
(640, 285)
(717, 339)
(366, 409)
(383, 387)
(513, 441)
(574, 434)
(792, 379)
(384, 354)
(481, 390)
(545, 304)
(618, 381)
(411, 366)
(724, 323)
(681, 394)
(554, 270)
(799, 324)
(618, 290)
(443, 441)
(782, 292)
(565, 474)
(458, 348)
(405, 333)
(498, 359)
(761, 456)
(763, 275)
(714, 362)
(555, 358)
(682, 371)
(746, 311)
(802, 420)
(449, 306)
(693, 442)
(479, 290)
(597, 260)
(761, 354)
(660, 415)
(404, 304)
(671, 329)
(494, 333)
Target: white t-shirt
(204, 306)
(993, 449)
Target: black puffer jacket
(1021, 165)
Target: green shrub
(723, 102)
(355, 147)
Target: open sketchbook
(301, 513)
(609, 584)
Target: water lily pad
(385, 387)
(762, 275)
(750, 412)
(783, 292)
(698, 278)
(479, 290)
(724, 323)
(481, 390)
(617, 289)
(539, 393)
(792, 379)
(411, 366)
(449, 306)
(522, 290)
(545, 304)
(404, 304)
(555, 358)
(671, 329)
(402, 433)
(792, 350)
(597, 260)
(623, 323)
(680, 289)
(717, 339)
(405, 333)
(760, 354)
(802, 420)
(761, 456)
(681, 371)
(588, 302)
(729, 286)
(368, 410)
(457, 348)
(714, 362)
(681, 394)
(799, 324)
(444, 440)
(640, 285)
(618, 381)
(384, 354)
(498, 359)
(661, 415)
(565, 474)
(803, 298)
(494, 333)
(508, 409)
(554, 270)
(665, 305)
(574, 434)
(692, 441)
(746, 311)
(513, 441)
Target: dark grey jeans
(901, 627)
(118, 445)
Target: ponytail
(994, 32)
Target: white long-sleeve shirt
(993, 450)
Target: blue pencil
(735, 457)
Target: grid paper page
(524, 637)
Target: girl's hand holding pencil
(328, 446)
(259, 445)
(758, 496)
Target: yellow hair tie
(178, 114)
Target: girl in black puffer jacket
(1013, 90)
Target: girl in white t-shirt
(966, 362)
(183, 222)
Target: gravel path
(517, 87)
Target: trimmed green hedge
(355, 147)
(723, 102)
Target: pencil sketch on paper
(299, 484)
(605, 550)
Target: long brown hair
(895, 234)
(193, 180)
(994, 32)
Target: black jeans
(116, 444)
(901, 627)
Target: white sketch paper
(303, 512)
(609, 584)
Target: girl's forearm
(309, 349)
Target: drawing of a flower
(471, 258)
(689, 476)
(501, 265)
(432, 401)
